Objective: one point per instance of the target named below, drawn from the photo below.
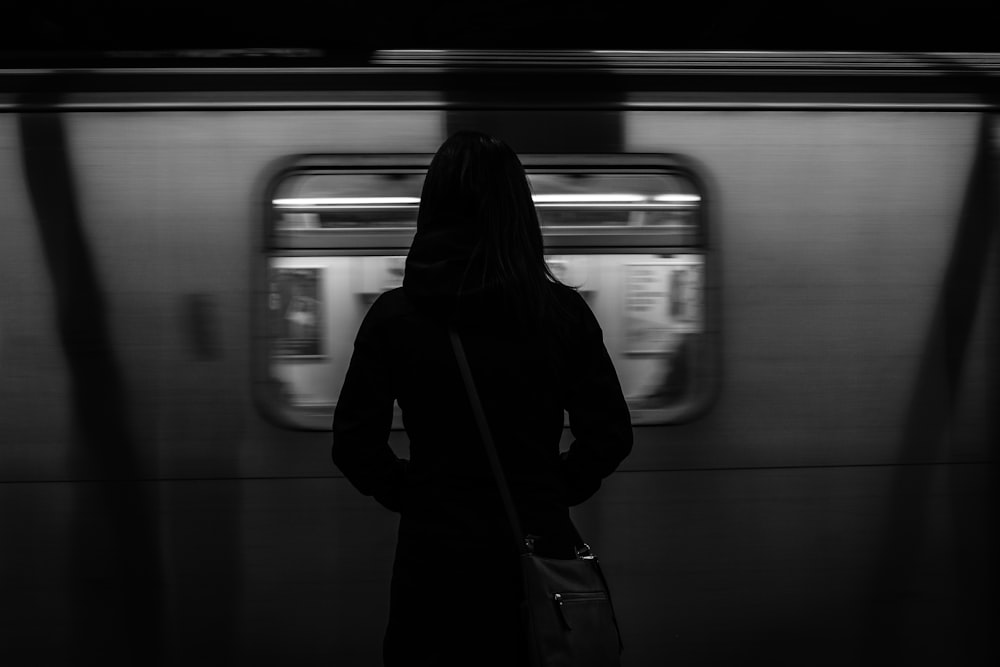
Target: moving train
(793, 257)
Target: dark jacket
(453, 536)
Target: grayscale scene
(523, 334)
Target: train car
(793, 257)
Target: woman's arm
(363, 417)
(599, 418)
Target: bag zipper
(562, 599)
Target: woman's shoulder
(391, 302)
(567, 295)
(388, 309)
(573, 304)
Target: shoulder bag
(567, 609)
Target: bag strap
(491, 450)
(523, 544)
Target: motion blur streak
(929, 421)
(122, 571)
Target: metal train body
(831, 504)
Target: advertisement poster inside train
(294, 307)
(663, 300)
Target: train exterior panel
(832, 504)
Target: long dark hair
(476, 187)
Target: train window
(628, 232)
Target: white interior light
(677, 198)
(608, 200)
(587, 199)
(346, 202)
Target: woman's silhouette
(536, 350)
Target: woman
(535, 349)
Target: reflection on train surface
(793, 258)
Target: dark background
(342, 31)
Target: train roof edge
(569, 75)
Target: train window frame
(267, 391)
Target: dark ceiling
(339, 30)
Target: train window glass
(338, 202)
(629, 233)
